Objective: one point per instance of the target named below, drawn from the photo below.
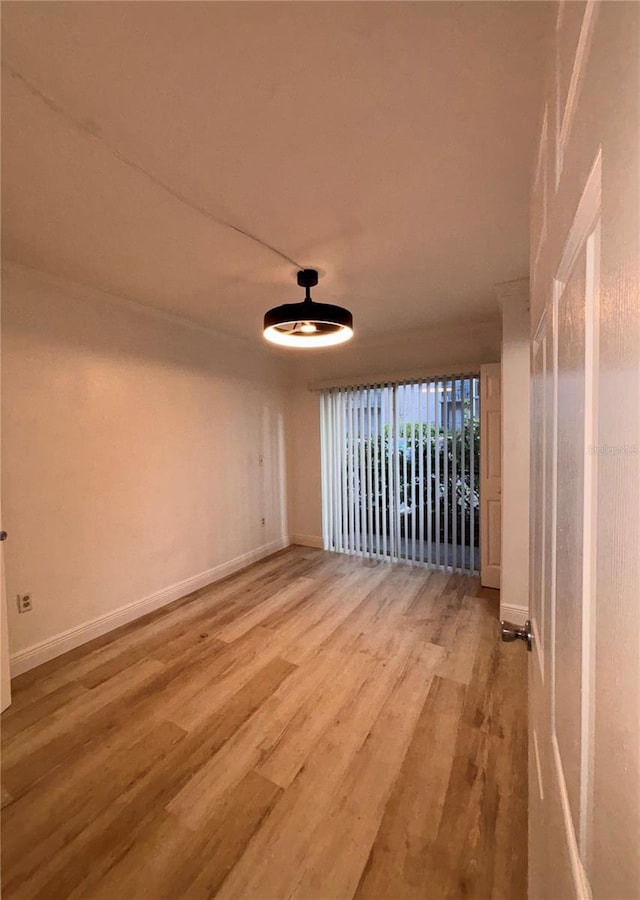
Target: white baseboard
(54, 646)
(307, 540)
(516, 614)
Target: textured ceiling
(389, 145)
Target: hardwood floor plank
(392, 590)
(290, 595)
(80, 864)
(233, 669)
(104, 773)
(311, 632)
(461, 857)
(287, 755)
(40, 708)
(398, 862)
(82, 704)
(441, 627)
(421, 606)
(230, 834)
(316, 726)
(169, 860)
(508, 692)
(272, 863)
(278, 738)
(142, 708)
(461, 654)
(342, 839)
(33, 837)
(31, 754)
(6, 798)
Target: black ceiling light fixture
(308, 324)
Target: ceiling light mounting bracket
(307, 278)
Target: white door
(584, 671)
(5, 678)
(5, 691)
(490, 475)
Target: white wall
(131, 459)
(435, 350)
(514, 574)
(303, 457)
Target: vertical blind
(400, 471)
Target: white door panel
(564, 355)
(542, 497)
(584, 673)
(567, 674)
(490, 475)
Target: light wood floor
(315, 726)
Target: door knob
(3, 535)
(511, 632)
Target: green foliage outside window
(436, 457)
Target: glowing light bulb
(308, 324)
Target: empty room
(320, 450)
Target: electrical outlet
(25, 603)
(263, 521)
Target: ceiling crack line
(56, 107)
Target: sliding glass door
(400, 471)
